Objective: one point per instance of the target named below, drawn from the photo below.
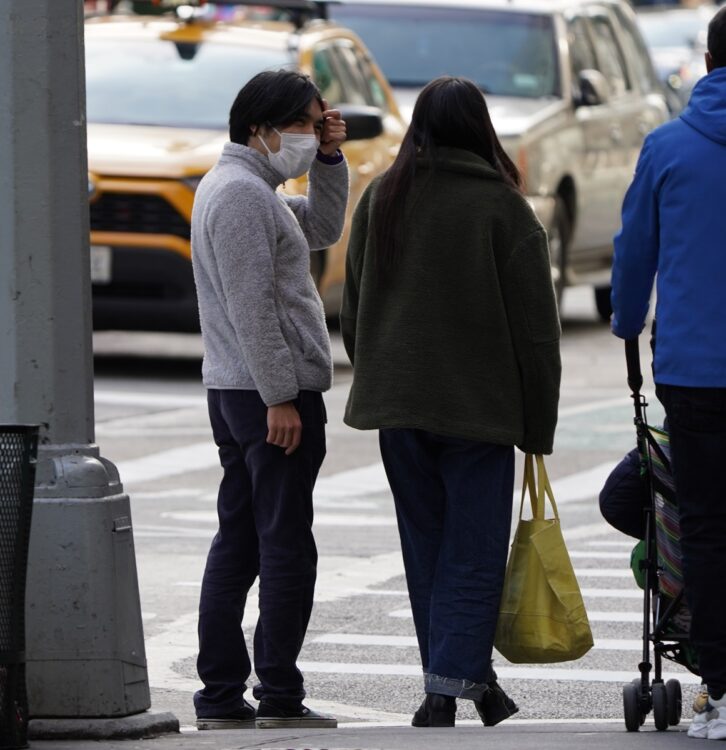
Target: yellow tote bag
(542, 617)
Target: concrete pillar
(85, 647)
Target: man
(267, 361)
(674, 224)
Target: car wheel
(602, 303)
(558, 236)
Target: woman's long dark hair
(448, 112)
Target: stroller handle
(632, 359)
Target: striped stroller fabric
(668, 545)
(667, 526)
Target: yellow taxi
(159, 89)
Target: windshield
(509, 54)
(158, 82)
(683, 29)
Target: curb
(139, 726)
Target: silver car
(571, 90)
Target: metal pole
(85, 648)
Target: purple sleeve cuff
(335, 158)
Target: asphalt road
(360, 659)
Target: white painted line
(172, 532)
(540, 673)
(406, 641)
(614, 616)
(604, 572)
(112, 431)
(617, 644)
(165, 401)
(595, 555)
(577, 409)
(513, 722)
(321, 519)
(582, 485)
(159, 400)
(173, 462)
(633, 593)
(585, 531)
(592, 616)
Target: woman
(450, 320)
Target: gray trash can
(18, 453)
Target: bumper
(151, 289)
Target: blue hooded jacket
(674, 223)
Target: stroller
(666, 619)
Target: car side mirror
(362, 123)
(594, 88)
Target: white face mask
(296, 154)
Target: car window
(582, 53)
(357, 86)
(637, 53)
(374, 93)
(327, 75)
(505, 53)
(160, 82)
(610, 56)
(378, 95)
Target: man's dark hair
(277, 98)
(717, 39)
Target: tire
(558, 236)
(675, 702)
(660, 706)
(631, 707)
(602, 303)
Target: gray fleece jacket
(262, 319)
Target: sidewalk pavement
(511, 735)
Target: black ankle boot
(435, 711)
(495, 705)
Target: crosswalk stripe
(592, 616)
(541, 673)
(409, 641)
(604, 572)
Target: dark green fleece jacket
(463, 338)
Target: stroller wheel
(675, 702)
(660, 706)
(634, 715)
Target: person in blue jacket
(674, 225)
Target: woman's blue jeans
(453, 501)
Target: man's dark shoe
(495, 705)
(242, 718)
(435, 711)
(270, 716)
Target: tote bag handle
(537, 490)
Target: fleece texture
(263, 324)
(462, 339)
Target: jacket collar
(459, 160)
(253, 160)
